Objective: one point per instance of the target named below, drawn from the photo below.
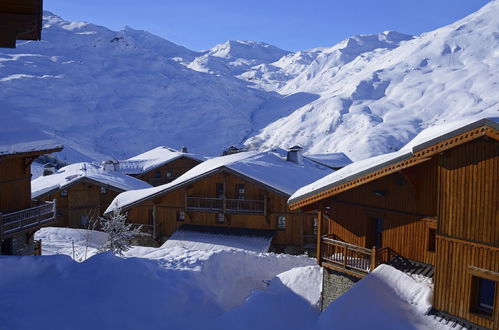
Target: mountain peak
(248, 50)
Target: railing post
(1, 229)
(224, 205)
(319, 234)
(373, 258)
(345, 254)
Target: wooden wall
(408, 201)
(21, 20)
(15, 184)
(453, 278)
(468, 225)
(165, 209)
(83, 199)
(469, 181)
(178, 167)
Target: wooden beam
(319, 234)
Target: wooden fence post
(319, 234)
(373, 258)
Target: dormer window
(169, 173)
(103, 190)
(64, 193)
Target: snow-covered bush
(120, 233)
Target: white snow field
(122, 93)
(180, 288)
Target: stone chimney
(183, 149)
(295, 155)
(48, 169)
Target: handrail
(347, 256)
(17, 221)
(225, 205)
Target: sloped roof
(74, 173)
(27, 147)
(268, 168)
(428, 137)
(332, 160)
(152, 159)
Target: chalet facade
(158, 166)
(83, 191)
(20, 20)
(243, 190)
(433, 204)
(18, 219)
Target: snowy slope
(115, 94)
(377, 101)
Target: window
(281, 222)
(432, 240)
(180, 215)
(64, 193)
(220, 218)
(158, 174)
(316, 224)
(169, 173)
(220, 193)
(240, 191)
(103, 190)
(59, 213)
(482, 296)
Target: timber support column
(319, 234)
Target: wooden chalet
(83, 191)
(433, 205)
(242, 190)
(159, 165)
(18, 219)
(20, 20)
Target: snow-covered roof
(269, 168)
(73, 173)
(152, 159)
(332, 160)
(28, 147)
(427, 137)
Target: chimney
(183, 149)
(295, 155)
(48, 169)
(110, 165)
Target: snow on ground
(180, 288)
(210, 241)
(385, 299)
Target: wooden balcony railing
(225, 205)
(15, 222)
(347, 256)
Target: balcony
(32, 218)
(225, 205)
(339, 255)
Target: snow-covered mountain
(380, 93)
(115, 94)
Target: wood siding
(177, 168)
(165, 208)
(453, 278)
(83, 199)
(469, 181)
(403, 201)
(15, 184)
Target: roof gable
(429, 142)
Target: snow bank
(385, 299)
(210, 241)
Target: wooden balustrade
(225, 205)
(15, 222)
(347, 256)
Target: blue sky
(289, 24)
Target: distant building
(20, 20)
(82, 190)
(245, 190)
(18, 220)
(430, 209)
(159, 165)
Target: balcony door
(374, 235)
